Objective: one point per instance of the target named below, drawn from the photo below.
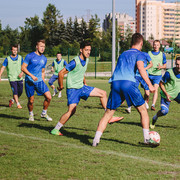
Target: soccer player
(13, 65)
(34, 68)
(123, 86)
(155, 74)
(147, 64)
(57, 65)
(76, 85)
(170, 90)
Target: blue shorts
(17, 87)
(121, 90)
(139, 79)
(155, 79)
(52, 79)
(177, 99)
(40, 87)
(74, 95)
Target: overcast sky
(14, 12)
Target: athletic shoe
(59, 95)
(115, 119)
(152, 126)
(19, 106)
(11, 102)
(31, 118)
(128, 110)
(95, 143)
(46, 116)
(56, 132)
(146, 104)
(153, 108)
(55, 92)
(150, 143)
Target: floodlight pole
(113, 36)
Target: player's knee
(164, 111)
(31, 101)
(104, 94)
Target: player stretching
(34, 68)
(57, 65)
(170, 90)
(13, 65)
(76, 85)
(123, 86)
(147, 64)
(155, 74)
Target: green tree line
(63, 36)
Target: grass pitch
(29, 151)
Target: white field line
(95, 150)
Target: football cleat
(56, 132)
(19, 106)
(11, 102)
(152, 126)
(59, 95)
(46, 116)
(95, 144)
(31, 118)
(115, 119)
(153, 108)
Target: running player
(123, 86)
(76, 85)
(147, 64)
(57, 65)
(34, 68)
(170, 90)
(155, 72)
(13, 65)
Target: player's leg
(64, 118)
(164, 110)
(102, 126)
(51, 81)
(96, 92)
(146, 98)
(46, 103)
(155, 96)
(29, 88)
(19, 91)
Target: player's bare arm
(161, 67)
(24, 69)
(149, 65)
(1, 71)
(84, 81)
(143, 73)
(161, 84)
(61, 77)
(43, 74)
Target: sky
(15, 12)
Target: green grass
(29, 151)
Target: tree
(69, 31)
(77, 31)
(51, 19)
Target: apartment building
(158, 19)
(124, 22)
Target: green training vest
(14, 69)
(156, 59)
(173, 86)
(76, 76)
(58, 67)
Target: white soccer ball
(154, 136)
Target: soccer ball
(154, 136)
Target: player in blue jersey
(170, 90)
(139, 80)
(155, 72)
(76, 85)
(34, 68)
(13, 65)
(57, 65)
(123, 87)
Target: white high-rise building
(124, 22)
(158, 19)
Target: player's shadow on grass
(4, 105)
(83, 138)
(92, 107)
(11, 116)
